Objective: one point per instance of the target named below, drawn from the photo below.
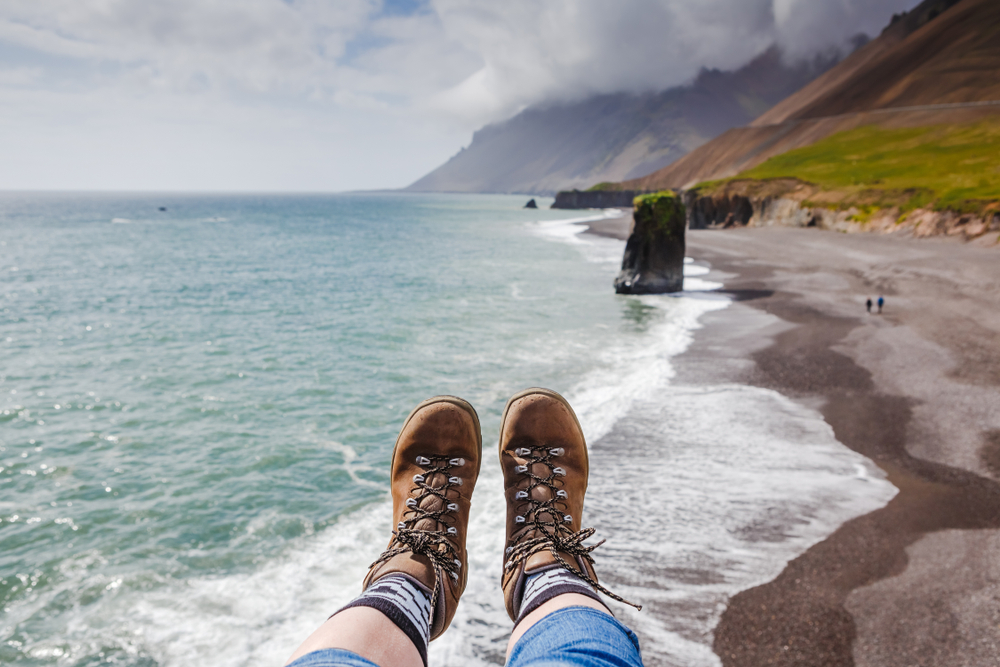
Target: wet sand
(617, 227)
(917, 390)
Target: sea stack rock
(531, 204)
(654, 254)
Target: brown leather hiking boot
(435, 465)
(544, 459)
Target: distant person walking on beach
(549, 583)
(881, 301)
(868, 305)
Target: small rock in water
(531, 204)
(163, 208)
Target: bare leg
(367, 632)
(558, 602)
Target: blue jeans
(568, 637)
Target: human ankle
(553, 583)
(553, 605)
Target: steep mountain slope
(613, 137)
(939, 64)
(953, 60)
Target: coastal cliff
(595, 198)
(926, 181)
(787, 203)
(654, 254)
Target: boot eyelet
(522, 451)
(561, 494)
(458, 564)
(508, 550)
(401, 525)
(521, 469)
(559, 471)
(452, 507)
(418, 478)
(558, 451)
(452, 530)
(568, 519)
(423, 461)
(519, 519)
(411, 502)
(458, 463)
(521, 495)
(457, 481)
(454, 575)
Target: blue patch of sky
(54, 67)
(403, 7)
(367, 41)
(361, 44)
(392, 7)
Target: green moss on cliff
(604, 187)
(664, 209)
(955, 167)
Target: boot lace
(552, 533)
(432, 544)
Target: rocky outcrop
(717, 211)
(726, 209)
(654, 254)
(595, 198)
(531, 204)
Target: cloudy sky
(329, 95)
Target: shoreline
(912, 390)
(615, 227)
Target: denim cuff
(577, 637)
(331, 657)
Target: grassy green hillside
(955, 167)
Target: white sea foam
(740, 480)
(257, 618)
(569, 230)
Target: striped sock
(545, 585)
(405, 601)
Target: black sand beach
(915, 389)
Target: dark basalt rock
(654, 254)
(718, 211)
(594, 198)
(531, 204)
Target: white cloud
(566, 49)
(334, 94)
(256, 45)
(805, 26)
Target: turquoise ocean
(198, 404)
